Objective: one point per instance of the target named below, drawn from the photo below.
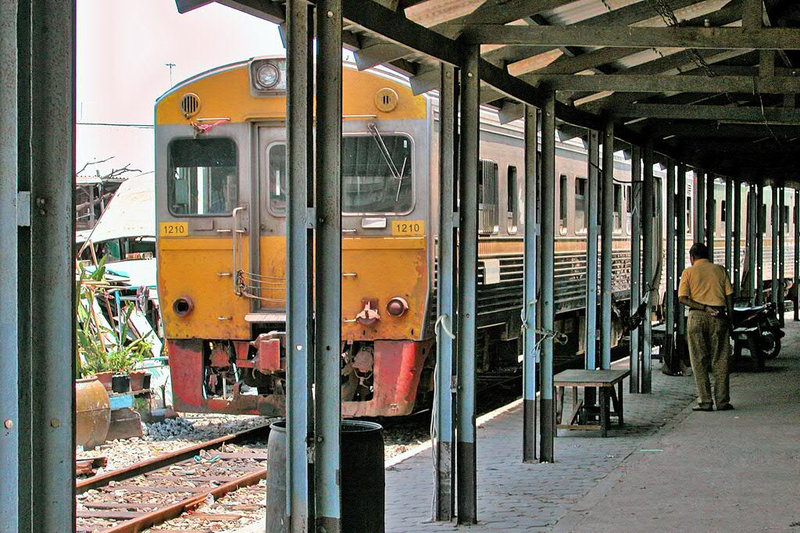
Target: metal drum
(363, 477)
(92, 412)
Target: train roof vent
(190, 105)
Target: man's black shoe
(701, 408)
(726, 407)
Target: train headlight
(182, 306)
(267, 76)
(397, 306)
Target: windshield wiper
(387, 157)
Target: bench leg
(603, 411)
(619, 412)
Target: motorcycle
(765, 318)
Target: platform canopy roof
(714, 83)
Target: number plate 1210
(408, 228)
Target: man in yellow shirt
(706, 289)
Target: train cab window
(276, 181)
(203, 177)
(580, 205)
(487, 197)
(512, 194)
(376, 173)
(562, 204)
(617, 207)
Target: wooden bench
(604, 381)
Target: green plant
(99, 347)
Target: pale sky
(123, 47)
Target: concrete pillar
(636, 264)
(531, 353)
(445, 345)
(328, 271)
(590, 338)
(548, 420)
(607, 235)
(299, 270)
(648, 266)
(466, 503)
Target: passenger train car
(221, 200)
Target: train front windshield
(376, 174)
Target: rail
(109, 504)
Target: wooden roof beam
(663, 84)
(707, 112)
(629, 36)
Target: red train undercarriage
(379, 378)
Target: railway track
(159, 489)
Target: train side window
(512, 193)
(487, 197)
(376, 173)
(762, 214)
(203, 177)
(786, 219)
(276, 178)
(628, 209)
(562, 204)
(580, 205)
(617, 207)
(723, 209)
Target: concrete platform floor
(669, 469)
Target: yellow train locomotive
(221, 199)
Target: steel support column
(548, 418)
(711, 226)
(328, 269)
(52, 274)
(299, 270)
(466, 503)
(751, 244)
(590, 339)
(761, 222)
(530, 354)
(445, 344)
(775, 245)
(728, 226)
(796, 236)
(736, 209)
(782, 256)
(648, 266)
(699, 194)
(636, 264)
(680, 257)
(669, 339)
(607, 235)
(14, 458)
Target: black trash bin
(362, 475)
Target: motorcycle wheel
(770, 345)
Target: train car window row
(487, 198)
(512, 196)
(203, 177)
(580, 205)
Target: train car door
(266, 281)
